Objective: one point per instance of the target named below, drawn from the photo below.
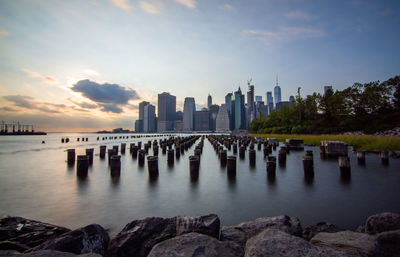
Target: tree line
(368, 107)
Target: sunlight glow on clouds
(123, 4)
(192, 4)
(3, 32)
(150, 7)
(46, 79)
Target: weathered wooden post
(241, 152)
(252, 157)
(194, 164)
(361, 157)
(223, 157)
(170, 156)
(197, 152)
(115, 165)
(266, 152)
(82, 166)
(234, 147)
(282, 157)
(259, 146)
(70, 156)
(115, 147)
(271, 166)
(164, 148)
(134, 151)
(177, 152)
(123, 147)
(111, 152)
(139, 145)
(155, 150)
(103, 149)
(89, 154)
(385, 157)
(141, 157)
(152, 164)
(231, 167)
(344, 164)
(308, 165)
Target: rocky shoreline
(202, 236)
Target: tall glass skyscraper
(189, 110)
(270, 102)
(166, 112)
(277, 94)
(239, 110)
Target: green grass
(359, 142)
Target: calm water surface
(36, 182)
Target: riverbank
(203, 236)
(360, 142)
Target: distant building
(178, 124)
(166, 112)
(222, 121)
(213, 112)
(270, 102)
(277, 95)
(139, 126)
(262, 110)
(258, 98)
(202, 120)
(291, 99)
(209, 101)
(189, 110)
(238, 110)
(326, 88)
(250, 104)
(149, 118)
(228, 104)
(282, 104)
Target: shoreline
(183, 236)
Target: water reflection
(271, 177)
(309, 179)
(153, 181)
(232, 179)
(345, 177)
(194, 176)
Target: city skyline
(86, 65)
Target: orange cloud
(46, 79)
(192, 4)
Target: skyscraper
(166, 112)
(189, 109)
(228, 104)
(213, 112)
(222, 121)
(178, 123)
(270, 102)
(277, 93)
(139, 123)
(149, 118)
(202, 120)
(326, 88)
(291, 98)
(209, 101)
(238, 110)
(258, 98)
(250, 103)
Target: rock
(26, 232)
(390, 243)
(348, 242)
(9, 245)
(360, 229)
(89, 239)
(47, 253)
(195, 244)
(382, 222)
(240, 233)
(273, 242)
(310, 231)
(139, 236)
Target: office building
(326, 88)
(149, 118)
(222, 120)
(209, 101)
(277, 93)
(178, 123)
(213, 112)
(166, 112)
(189, 109)
(270, 102)
(238, 110)
(139, 126)
(258, 98)
(228, 105)
(250, 104)
(291, 99)
(202, 120)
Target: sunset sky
(84, 65)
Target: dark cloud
(105, 93)
(111, 108)
(7, 109)
(29, 103)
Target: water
(36, 183)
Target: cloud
(91, 72)
(4, 32)
(192, 4)
(123, 4)
(298, 15)
(28, 102)
(226, 7)
(45, 79)
(84, 105)
(110, 97)
(7, 109)
(152, 8)
(285, 33)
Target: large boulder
(382, 222)
(47, 253)
(240, 233)
(90, 239)
(310, 231)
(274, 242)
(389, 242)
(195, 244)
(21, 233)
(138, 237)
(348, 242)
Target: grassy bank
(359, 142)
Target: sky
(84, 65)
